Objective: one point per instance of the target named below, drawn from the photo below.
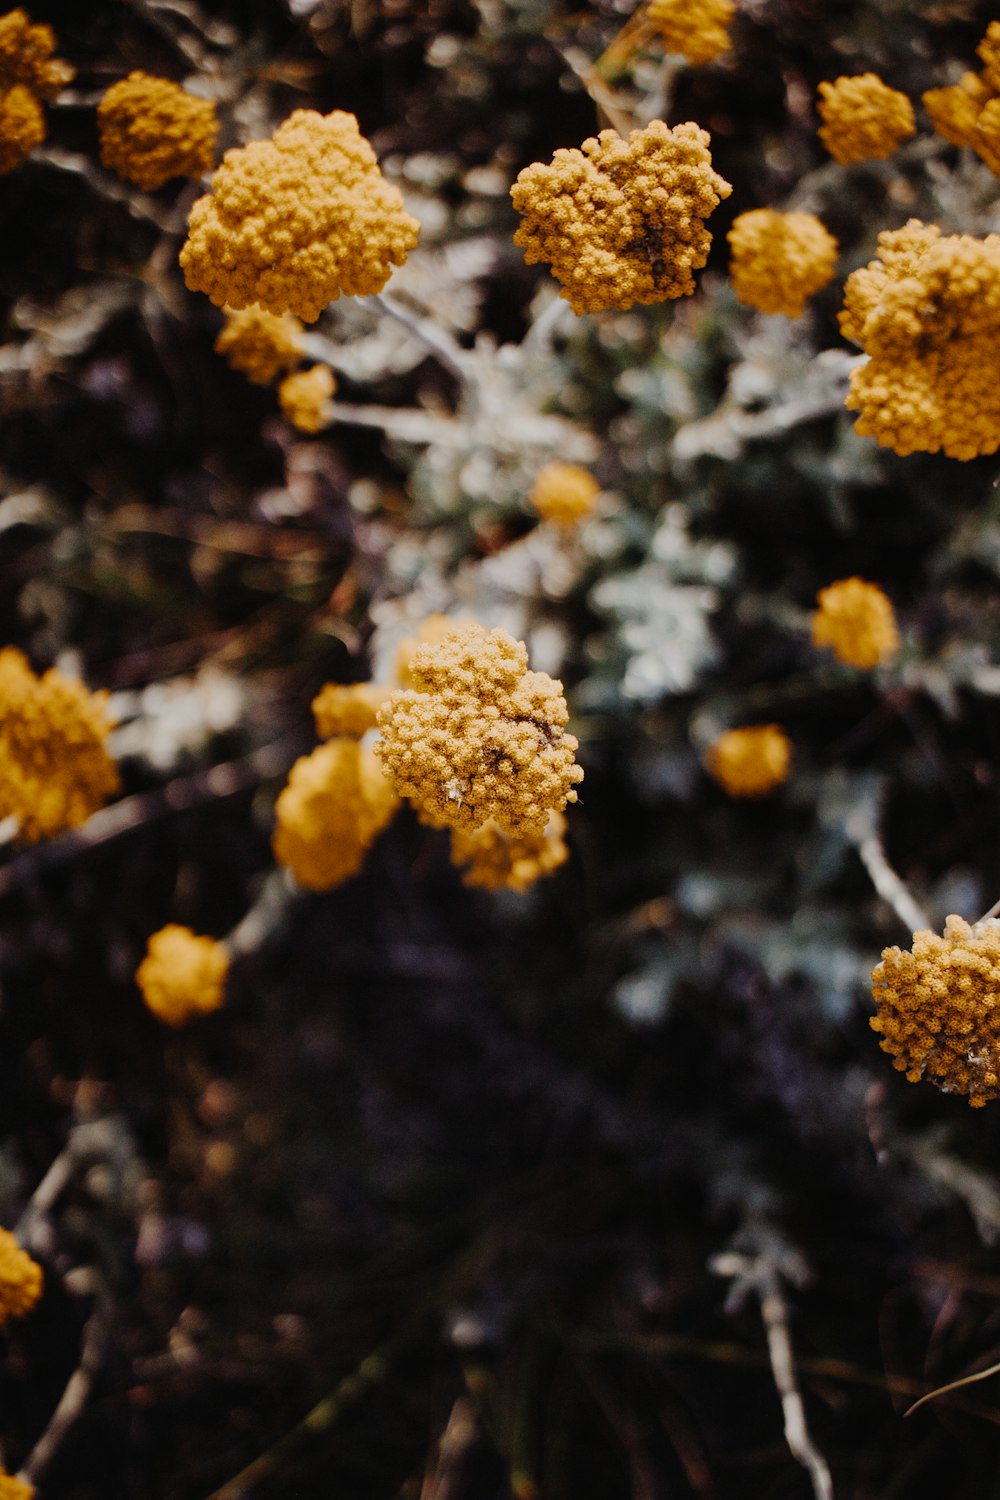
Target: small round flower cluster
(14, 1489)
(857, 620)
(751, 761)
(968, 113)
(927, 312)
(258, 343)
(54, 768)
(779, 260)
(182, 975)
(305, 398)
(863, 118)
(348, 708)
(29, 75)
(936, 1008)
(699, 31)
(496, 860)
(564, 493)
(293, 222)
(619, 221)
(151, 130)
(21, 1279)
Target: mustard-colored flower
(497, 860)
(14, 1489)
(54, 768)
(432, 629)
(294, 222)
(621, 221)
(305, 398)
(564, 493)
(966, 113)
(927, 312)
(348, 709)
(863, 118)
(695, 29)
(258, 343)
(752, 761)
(858, 621)
(479, 736)
(26, 56)
(22, 126)
(937, 1008)
(780, 260)
(21, 1280)
(182, 975)
(151, 130)
(336, 803)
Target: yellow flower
(479, 736)
(927, 312)
(752, 761)
(14, 1489)
(858, 621)
(621, 221)
(863, 118)
(335, 805)
(20, 1280)
(695, 29)
(293, 222)
(967, 113)
(151, 130)
(54, 768)
(498, 860)
(564, 493)
(258, 343)
(22, 126)
(348, 709)
(779, 260)
(182, 975)
(305, 398)
(432, 629)
(937, 1008)
(26, 56)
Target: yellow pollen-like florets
(695, 29)
(927, 312)
(305, 398)
(620, 221)
(779, 260)
(29, 74)
(968, 113)
(432, 629)
(293, 222)
(152, 130)
(858, 621)
(336, 803)
(258, 343)
(497, 860)
(348, 708)
(14, 1489)
(863, 118)
(564, 493)
(479, 736)
(20, 1279)
(182, 975)
(938, 1008)
(752, 761)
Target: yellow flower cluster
(927, 312)
(20, 1279)
(54, 768)
(780, 260)
(752, 761)
(182, 975)
(258, 343)
(695, 29)
(968, 113)
(14, 1489)
(497, 860)
(479, 736)
(305, 398)
(621, 221)
(564, 493)
(293, 222)
(936, 1008)
(29, 74)
(336, 803)
(348, 709)
(858, 621)
(863, 118)
(151, 130)
(432, 629)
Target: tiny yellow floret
(619, 221)
(968, 112)
(151, 130)
(695, 29)
(496, 860)
(779, 260)
(752, 761)
(336, 803)
(21, 1280)
(305, 398)
(863, 118)
(564, 493)
(348, 708)
(14, 1489)
(182, 975)
(858, 621)
(258, 343)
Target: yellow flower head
(293, 222)
(752, 761)
(26, 56)
(152, 130)
(258, 343)
(863, 118)
(927, 312)
(621, 221)
(348, 709)
(496, 860)
(858, 621)
(22, 126)
(936, 1008)
(305, 398)
(695, 29)
(479, 736)
(965, 114)
(564, 493)
(183, 975)
(779, 260)
(432, 629)
(54, 768)
(335, 805)
(20, 1280)
(14, 1489)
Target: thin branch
(446, 349)
(74, 1397)
(953, 1385)
(888, 884)
(138, 204)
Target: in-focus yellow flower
(151, 130)
(496, 860)
(182, 975)
(21, 1280)
(752, 761)
(968, 112)
(335, 805)
(863, 118)
(564, 493)
(695, 29)
(780, 260)
(348, 708)
(432, 629)
(858, 621)
(14, 1489)
(258, 343)
(305, 398)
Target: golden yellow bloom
(432, 629)
(779, 260)
(695, 29)
(26, 56)
(20, 1280)
(564, 493)
(937, 1008)
(22, 126)
(965, 114)
(54, 768)
(621, 221)
(336, 803)
(752, 761)
(152, 130)
(348, 709)
(498, 860)
(927, 312)
(858, 621)
(863, 118)
(182, 975)
(305, 398)
(479, 736)
(14, 1489)
(258, 343)
(293, 222)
